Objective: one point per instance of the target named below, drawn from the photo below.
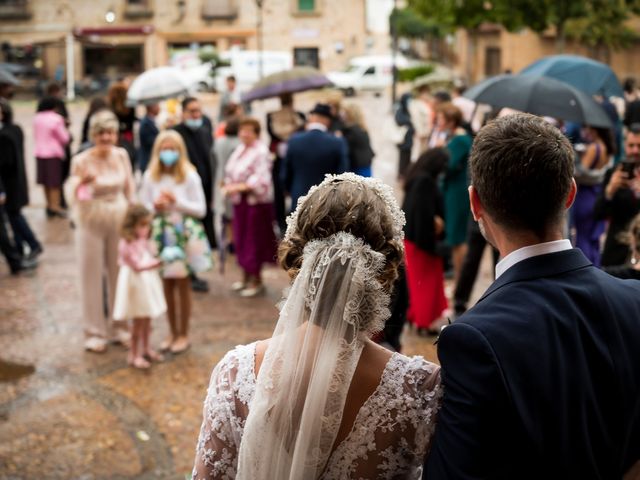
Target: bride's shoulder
(416, 373)
(239, 360)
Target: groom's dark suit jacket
(542, 377)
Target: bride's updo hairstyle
(348, 203)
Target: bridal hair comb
(384, 191)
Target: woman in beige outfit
(101, 186)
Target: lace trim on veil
(369, 308)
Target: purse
(398, 133)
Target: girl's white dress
(139, 292)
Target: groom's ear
(477, 210)
(572, 194)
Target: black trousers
(278, 196)
(405, 161)
(209, 229)
(476, 245)
(398, 307)
(7, 247)
(22, 233)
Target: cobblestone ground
(68, 414)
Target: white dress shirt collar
(317, 126)
(531, 251)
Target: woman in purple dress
(249, 184)
(589, 173)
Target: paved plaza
(69, 414)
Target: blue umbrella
(585, 74)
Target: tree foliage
(592, 22)
(453, 14)
(410, 24)
(603, 25)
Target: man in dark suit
(619, 200)
(196, 131)
(312, 154)
(541, 378)
(147, 134)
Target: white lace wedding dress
(389, 439)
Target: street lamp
(394, 53)
(259, 4)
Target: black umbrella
(540, 96)
(8, 78)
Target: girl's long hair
(183, 165)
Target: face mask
(193, 123)
(169, 157)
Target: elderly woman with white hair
(100, 188)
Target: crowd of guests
(150, 198)
(222, 187)
(435, 134)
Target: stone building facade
(121, 37)
(496, 51)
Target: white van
(244, 66)
(370, 72)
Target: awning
(93, 31)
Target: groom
(542, 377)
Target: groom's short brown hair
(521, 168)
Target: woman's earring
(634, 260)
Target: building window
(219, 10)
(306, 57)
(306, 5)
(492, 61)
(14, 10)
(138, 9)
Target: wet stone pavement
(69, 414)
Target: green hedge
(410, 74)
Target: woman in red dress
(424, 209)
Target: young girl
(139, 291)
(172, 189)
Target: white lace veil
(335, 302)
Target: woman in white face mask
(171, 188)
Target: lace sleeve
(224, 413)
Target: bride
(319, 399)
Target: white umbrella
(157, 84)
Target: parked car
(244, 65)
(370, 72)
(200, 77)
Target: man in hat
(312, 154)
